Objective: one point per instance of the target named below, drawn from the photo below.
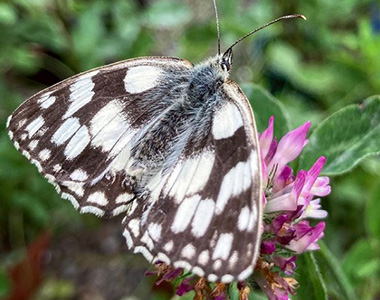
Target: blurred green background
(314, 68)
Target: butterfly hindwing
(204, 215)
(79, 133)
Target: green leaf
(8, 14)
(373, 212)
(333, 273)
(311, 283)
(264, 106)
(345, 138)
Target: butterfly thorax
(205, 80)
(185, 123)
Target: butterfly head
(226, 60)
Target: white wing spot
(245, 274)
(33, 144)
(198, 271)
(185, 213)
(190, 176)
(108, 126)
(147, 240)
(93, 210)
(182, 264)
(81, 93)
(188, 251)
(233, 260)
(134, 225)
(244, 218)
(154, 230)
(181, 178)
(44, 154)
(77, 143)
(26, 154)
(79, 175)
(75, 187)
(252, 219)
(204, 257)
(128, 237)
(202, 217)
(227, 278)
(202, 175)
(223, 246)
(141, 78)
(37, 164)
(145, 252)
(69, 197)
(65, 131)
(212, 278)
(57, 168)
(34, 126)
(217, 265)
(46, 101)
(8, 121)
(163, 257)
(233, 184)
(98, 198)
(226, 121)
(124, 198)
(168, 246)
(21, 123)
(119, 210)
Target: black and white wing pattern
(79, 132)
(172, 145)
(205, 214)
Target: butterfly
(171, 145)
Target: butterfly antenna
(266, 25)
(217, 24)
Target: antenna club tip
(302, 17)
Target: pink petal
(282, 179)
(313, 210)
(271, 152)
(287, 201)
(307, 237)
(267, 247)
(313, 173)
(266, 138)
(290, 146)
(264, 169)
(321, 187)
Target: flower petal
(266, 138)
(307, 237)
(290, 146)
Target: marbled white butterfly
(172, 145)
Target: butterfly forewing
(204, 215)
(79, 133)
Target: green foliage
(345, 138)
(310, 278)
(265, 106)
(320, 70)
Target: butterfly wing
(205, 214)
(79, 132)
